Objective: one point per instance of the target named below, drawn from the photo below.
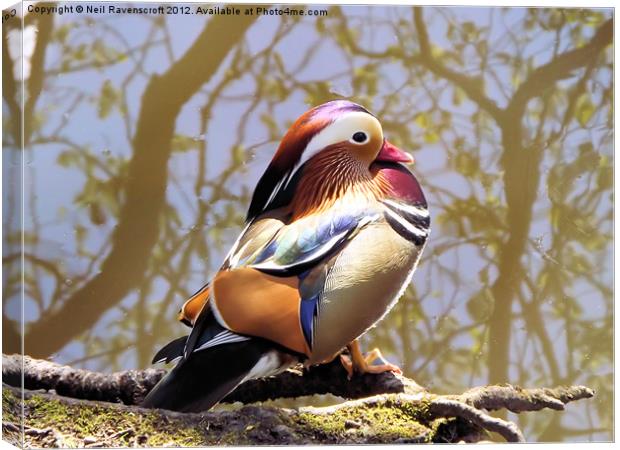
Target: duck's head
(338, 139)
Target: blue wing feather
(300, 245)
(267, 252)
(307, 312)
(303, 249)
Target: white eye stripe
(342, 129)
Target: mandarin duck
(333, 234)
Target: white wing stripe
(276, 189)
(225, 337)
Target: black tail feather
(170, 351)
(206, 376)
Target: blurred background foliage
(145, 135)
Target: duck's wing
(262, 295)
(253, 237)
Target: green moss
(11, 409)
(11, 414)
(78, 423)
(380, 424)
(112, 426)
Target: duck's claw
(378, 368)
(361, 364)
(346, 362)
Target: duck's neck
(335, 176)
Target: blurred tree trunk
(139, 221)
(520, 162)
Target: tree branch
(516, 399)
(524, 163)
(541, 79)
(442, 407)
(405, 414)
(130, 387)
(560, 67)
(471, 86)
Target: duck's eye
(360, 137)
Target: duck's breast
(363, 284)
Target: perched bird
(333, 234)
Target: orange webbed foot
(358, 363)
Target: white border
(488, 3)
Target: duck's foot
(358, 363)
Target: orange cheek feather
(257, 304)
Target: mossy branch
(131, 386)
(404, 412)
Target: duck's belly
(366, 280)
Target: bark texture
(386, 408)
(131, 386)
